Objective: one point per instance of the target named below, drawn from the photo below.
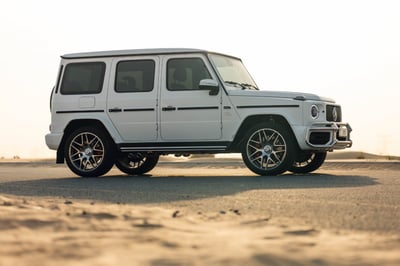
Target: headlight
(334, 114)
(314, 111)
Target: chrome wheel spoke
(258, 158)
(267, 162)
(76, 159)
(75, 154)
(255, 143)
(86, 138)
(76, 146)
(273, 161)
(274, 134)
(81, 164)
(92, 165)
(254, 153)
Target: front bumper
(329, 136)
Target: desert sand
(63, 232)
(54, 230)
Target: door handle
(169, 108)
(115, 110)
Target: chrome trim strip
(268, 106)
(79, 111)
(175, 148)
(138, 109)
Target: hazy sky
(346, 50)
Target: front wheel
(268, 149)
(137, 163)
(89, 152)
(308, 162)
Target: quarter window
(83, 78)
(186, 73)
(135, 76)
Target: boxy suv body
(129, 107)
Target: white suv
(129, 107)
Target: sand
(50, 231)
(39, 228)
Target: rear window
(135, 76)
(83, 78)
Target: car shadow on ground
(158, 189)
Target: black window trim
(84, 63)
(60, 71)
(131, 60)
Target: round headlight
(314, 112)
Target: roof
(133, 52)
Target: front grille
(330, 113)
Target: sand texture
(65, 232)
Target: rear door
(132, 97)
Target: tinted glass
(186, 73)
(83, 78)
(135, 76)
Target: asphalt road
(361, 196)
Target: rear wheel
(137, 163)
(308, 162)
(89, 152)
(268, 149)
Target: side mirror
(210, 85)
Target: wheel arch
(74, 125)
(253, 120)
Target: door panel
(132, 99)
(188, 113)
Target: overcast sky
(346, 50)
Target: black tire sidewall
(109, 153)
(147, 166)
(290, 149)
(316, 163)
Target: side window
(83, 78)
(135, 76)
(186, 73)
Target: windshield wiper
(237, 84)
(242, 85)
(249, 86)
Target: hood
(280, 94)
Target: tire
(308, 162)
(89, 152)
(268, 149)
(137, 163)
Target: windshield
(233, 72)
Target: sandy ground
(59, 230)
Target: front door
(188, 114)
